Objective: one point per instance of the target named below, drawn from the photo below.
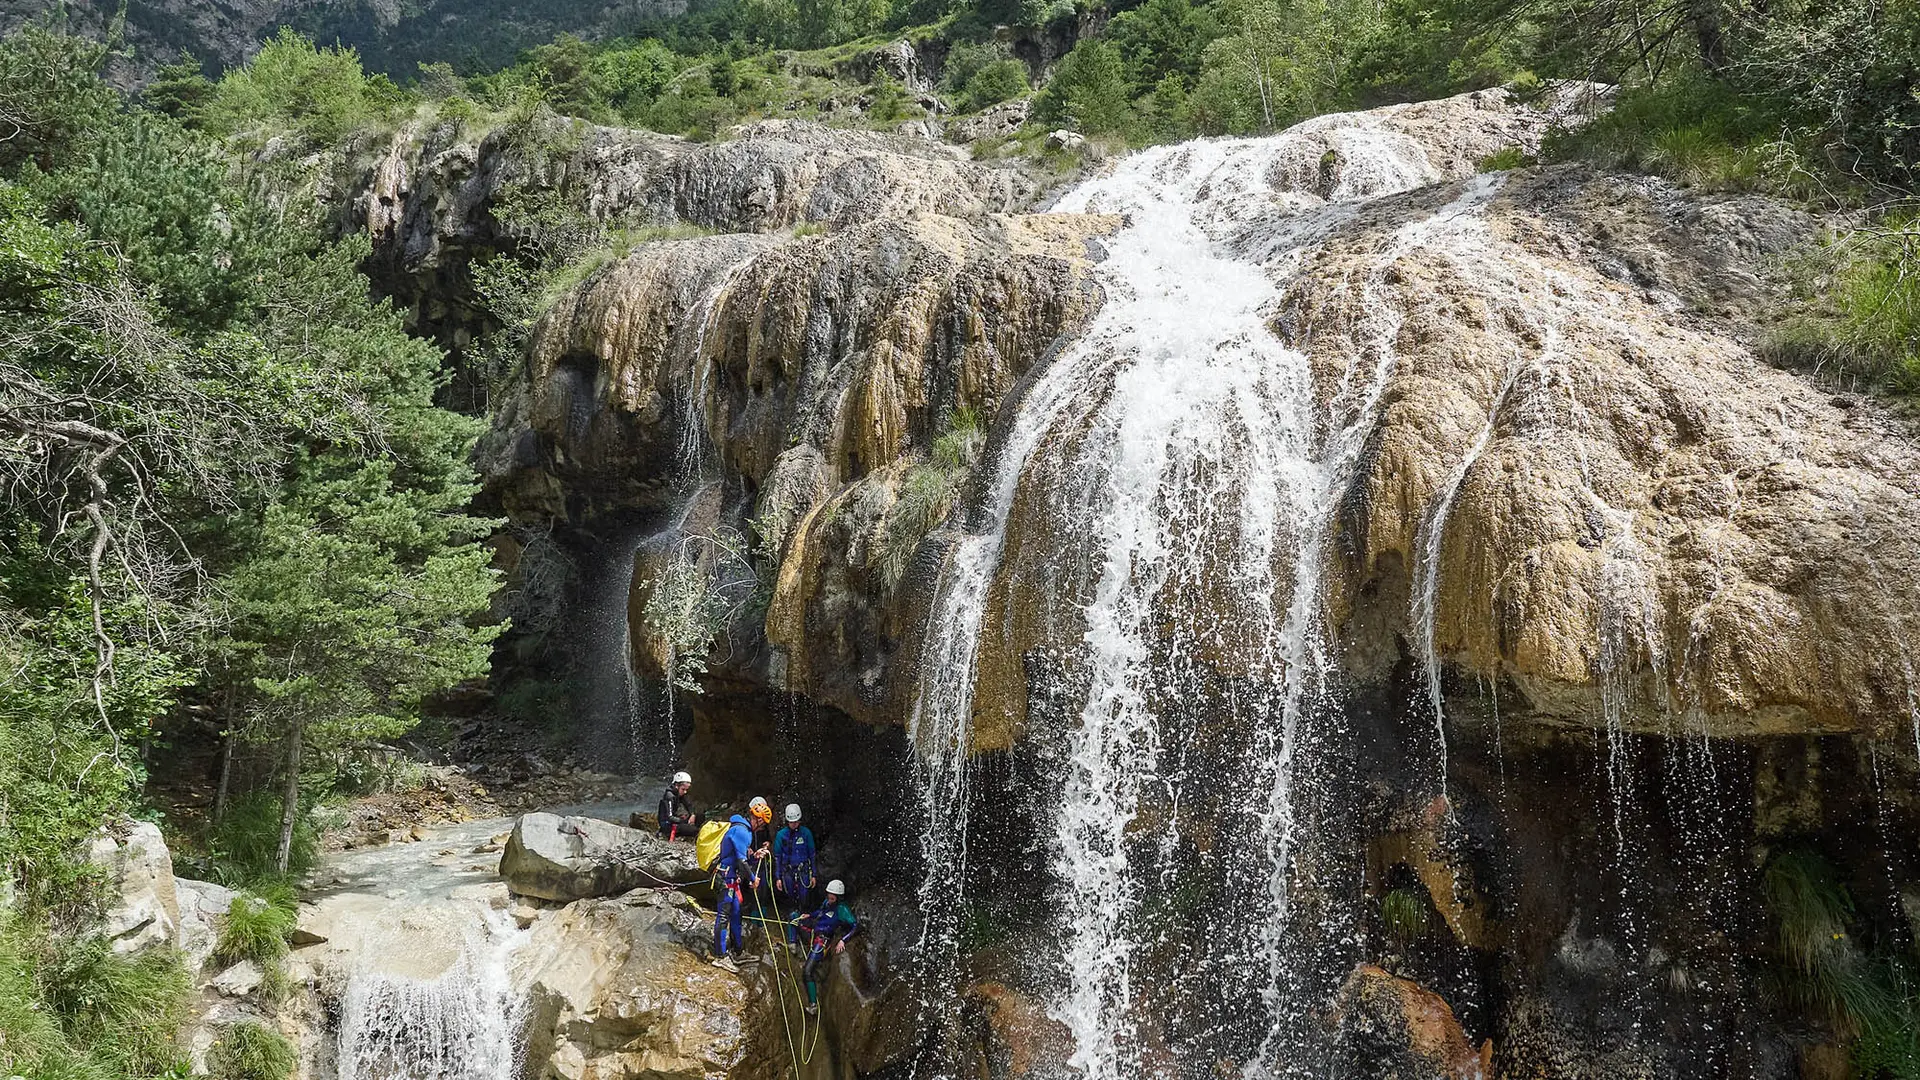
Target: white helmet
(682, 778)
(836, 887)
(793, 811)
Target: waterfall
(463, 1023)
(1194, 460)
(695, 441)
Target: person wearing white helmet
(827, 930)
(677, 819)
(793, 868)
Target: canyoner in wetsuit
(733, 871)
(827, 930)
(677, 819)
(793, 869)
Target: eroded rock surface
(144, 912)
(567, 857)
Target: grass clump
(256, 928)
(1833, 975)
(241, 849)
(1695, 131)
(1507, 157)
(250, 1050)
(1861, 302)
(1403, 914)
(73, 1009)
(928, 492)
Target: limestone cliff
(1437, 540)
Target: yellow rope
(799, 993)
(792, 1049)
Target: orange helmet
(760, 810)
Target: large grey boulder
(145, 912)
(203, 908)
(565, 858)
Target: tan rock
(611, 997)
(1395, 1029)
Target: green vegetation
(250, 1050)
(705, 585)
(72, 1009)
(1830, 973)
(927, 493)
(257, 929)
(235, 517)
(1403, 914)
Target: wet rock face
(807, 377)
(1394, 1029)
(1607, 498)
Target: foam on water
(462, 1024)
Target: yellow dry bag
(706, 849)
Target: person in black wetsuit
(677, 819)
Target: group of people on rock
(778, 873)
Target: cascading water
(1193, 456)
(463, 1023)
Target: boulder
(203, 906)
(145, 909)
(239, 980)
(612, 994)
(1001, 121)
(568, 858)
(1395, 1029)
(1065, 140)
(1006, 1035)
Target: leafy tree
(1002, 80)
(180, 89)
(1088, 90)
(1163, 38)
(352, 608)
(291, 85)
(1283, 61)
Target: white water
(463, 1024)
(425, 956)
(695, 439)
(1192, 453)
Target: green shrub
(1693, 130)
(927, 493)
(250, 1050)
(888, 103)
(1002, 80)
(1508, 157)
(255, 928)
(320, 94)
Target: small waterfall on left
(463, 1023)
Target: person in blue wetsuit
(827, 930)
(735, 870)
(793, 868)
